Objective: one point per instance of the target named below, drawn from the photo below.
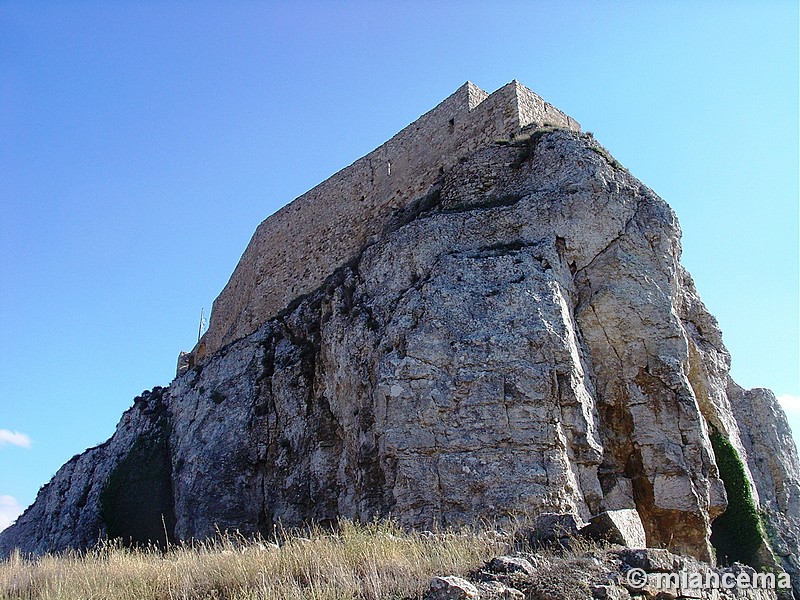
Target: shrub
(737, 534)
(527, 144)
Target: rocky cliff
(520, 339)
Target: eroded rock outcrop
(609, 574)
(773, 462)
(521, 339)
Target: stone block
(622, 527)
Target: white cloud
(10, 509)
(791, 404)
(15, 438)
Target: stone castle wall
(295, 249)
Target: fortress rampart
(295, 249)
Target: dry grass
(372, 561)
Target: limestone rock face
(764, 430)
(66, 513)
(520, 340)
(296, 248)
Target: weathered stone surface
(494, 590)
(184, 362)
(622, 526)
(66, 513)
(551, 527)
(451, 588)
(293, 251)
(773, 461)
(509, 564)
(521, 340)
(610, 592)
(651, 560)
(667, 575)
(651, 574)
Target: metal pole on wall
(202, 321)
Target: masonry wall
(295, 249)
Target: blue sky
(142, 142)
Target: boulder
(494, 590)
(651, 560)
(623, 527)
(451, 588)
(510, 564)
(553, 527)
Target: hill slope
(519, 339)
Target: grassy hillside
(357, 561)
